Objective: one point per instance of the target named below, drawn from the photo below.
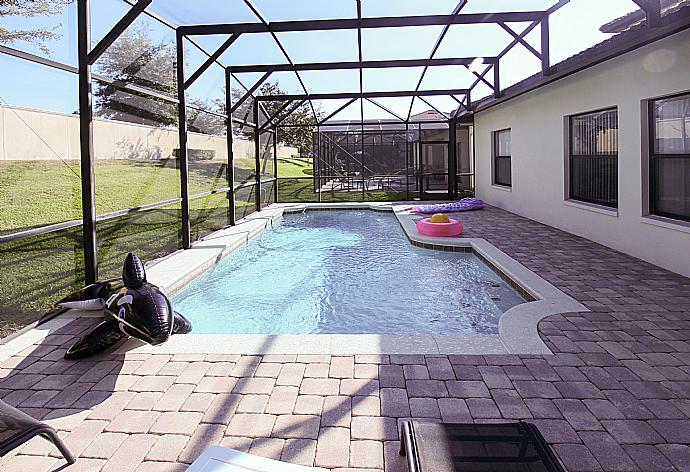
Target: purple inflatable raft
(465, 204)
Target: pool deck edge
(178, 269)
(517, 327)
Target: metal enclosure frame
(88, 55)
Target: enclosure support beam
(182, 131)
(361, 142)
(386, 109)
(461, 105)
(365, 23)
(275, 164)
(557, 6)
(274, 115)
(316, 152)
(249, 93)
(337, 95)
(480, 77)
(433, 107)
(356, 122)
(452, 161)
(652, 9)
(349, 65)
(407, 161)
(519, 38)
(439, 40)
(289, 112)
(338, 110)
(211, 59)
(545, 55)
(347, 161)
(257, 162)
(88, 194)
(497, 80)
(231, 156)
(361, 92)
(265, 22)
(653, 13)
(117, 30)
(420, 153)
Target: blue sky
(573, 28)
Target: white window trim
(647, 216)
(593, 207)
(493, 160)
(606, 210)
(668, 223)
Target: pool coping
(517, 329)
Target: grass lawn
(301, 189)
(295, 167)
(37, 193)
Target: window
(669, 166)
(502, 158)
(593, 159)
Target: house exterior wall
(28, 134)
(539, 145)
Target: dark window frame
(496, 157)
(655, 158)
(575, 192)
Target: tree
(135, 59)
(29, 9)
(199, 120)
(296, 136)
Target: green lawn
(37, 193)
(300, 188)
(295, 167)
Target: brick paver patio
(615, 396)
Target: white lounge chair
(221, 459)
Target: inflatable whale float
(132, 307)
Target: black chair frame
(26, 428)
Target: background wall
(28, 134)
(538, 152)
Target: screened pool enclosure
(178, 131)
(358, 160)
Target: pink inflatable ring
(427, 228)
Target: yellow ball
(439, 218)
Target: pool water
(345, 272)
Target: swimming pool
(344, 272)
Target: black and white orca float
(131, 306)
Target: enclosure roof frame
(360, 23)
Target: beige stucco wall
(28, 134)
(537, 121)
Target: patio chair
(222, 459)
(16, 428)
(451, 447)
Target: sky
(573, 28)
